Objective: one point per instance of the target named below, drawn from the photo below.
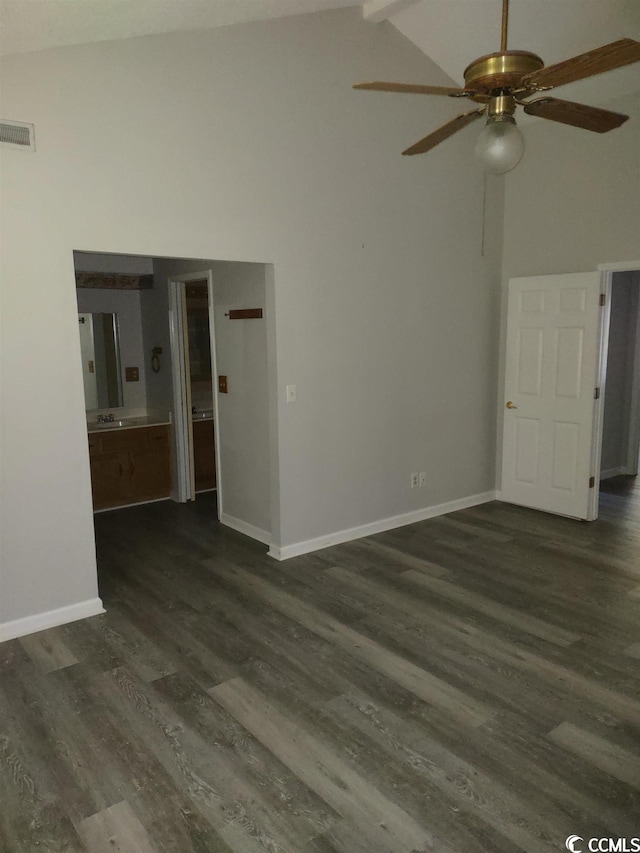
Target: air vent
(17, 134)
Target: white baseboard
(50, 619)
(613, 472)
(340, 536)
(244, 527)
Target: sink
(199, 416)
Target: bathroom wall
(155, 332)
(126, 304)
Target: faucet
(106, 419)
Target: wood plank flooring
(468, 684)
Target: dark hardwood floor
(468, 684)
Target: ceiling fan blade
(577, 115)
(444, 132)
(605, 58)
(414, 89)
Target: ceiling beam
(379, 10)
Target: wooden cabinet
(129, 465)
(204, 455)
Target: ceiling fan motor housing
(500, 71)
(501, 106)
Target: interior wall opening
(620, 448)
(129, 351)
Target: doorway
(201, 378)
(569, 346)
(620, 444)
(240, 310)
(193, 356)
(552, 347)
(226, 328)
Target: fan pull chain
(484, 217)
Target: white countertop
(126, 423)
(142, 421)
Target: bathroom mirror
(100, 351)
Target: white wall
(247, 143)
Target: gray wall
(241, 351)
(572, 203)
(155, 333)
(248, 143)
(124, 264)
(243, 413)
(126, 304)
(574, 200)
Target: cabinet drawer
(124, 439)
(157, 437)
(140, 438)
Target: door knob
(511, 405)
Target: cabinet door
(109, 479)
(150, 474)
(204, 455)
(130, 466)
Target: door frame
(579, 506)
(607, 271)
(182, 421)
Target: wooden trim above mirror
(114, 281)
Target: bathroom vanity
(130, 463)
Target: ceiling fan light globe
(500, 145)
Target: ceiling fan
(506, 79)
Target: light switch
(131, 374)
(291, 393)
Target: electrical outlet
(423, 479)
(415, 481)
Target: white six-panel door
(551, 368)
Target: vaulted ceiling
(451, 32)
